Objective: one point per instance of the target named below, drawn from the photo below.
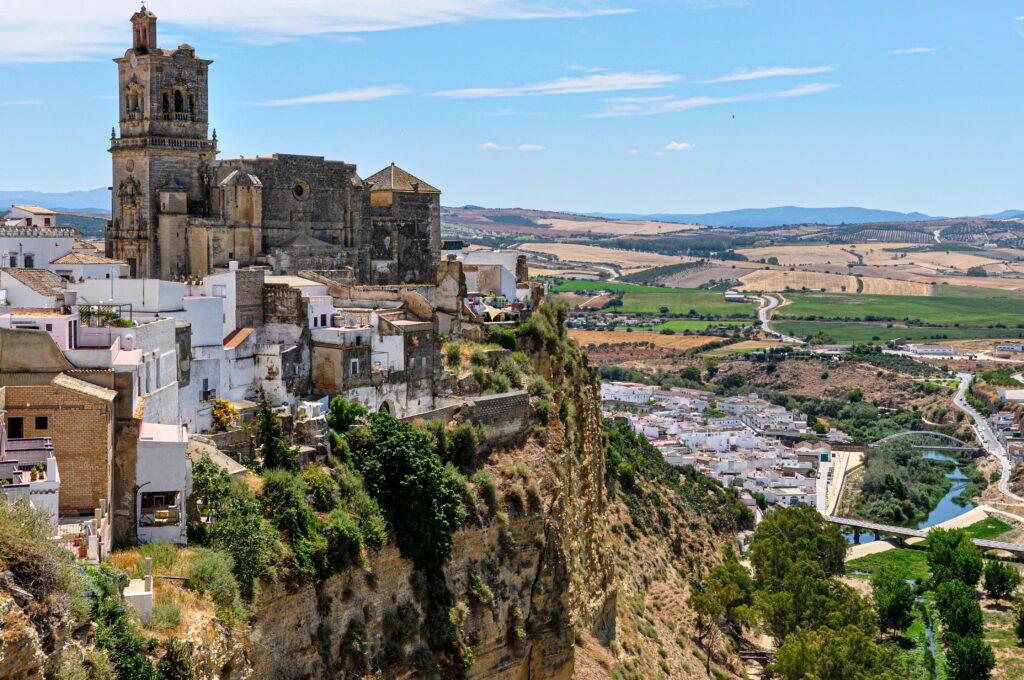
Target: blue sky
(584, 105)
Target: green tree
(951, 555)
(793, 534)
(1001, 580)
(725, 598)
(969, 658)
(805, 599)
(270, 437)
(1018, 623)
(958, 606)
(894, 599)
(342, 414)
(827, 654)
(251, 540)
(403, 473)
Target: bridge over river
(903, 533)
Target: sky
(636, 106)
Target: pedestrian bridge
(926, 439)
(903, 533)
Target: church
(179, 212)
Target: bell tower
(144, 31)
(163, 140)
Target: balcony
(164, 143)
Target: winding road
(989, 441)
(769, 303)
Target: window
(16, 428)
(30, 261)
(159, 508)
(323, 319)
(28, 221)
(49, 327)
(179, 102)
(355, 367)
(42, 423)
(14, 260)
(46, 221)
(359, 340)
(166, 104)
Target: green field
(951, 305)
(681, 325)
(856, 333)
(913, 562)
(650, 299)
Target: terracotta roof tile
(41, 281)
(393, 178)
(85, 258)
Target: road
(769, 303)
(988, 439)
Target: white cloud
(914, 50)
(524, 148)
(72, 30)
(744, 74)
(680, 146)
(631, 107)
(599, 82)
(362, 94)
(633, 152)
(657, 153)
(1020, 25)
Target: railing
(163, 142)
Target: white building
(28, 470)
(931, 350)
(30, 237)
(80, 266)
(163, 474)
(32, 288)
(626, 393)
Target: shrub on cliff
(343, 414)
(403, 473)
(465, 443)
(213, 572)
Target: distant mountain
(774, 217)
(93, 200)
(1005, 215)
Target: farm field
(574, 252)
(945, 307)
(617, 227)
(929, 259)
(681, 325)
(782, 280)
(810, 254)
(745, 347)
(650, 299)
(858, 333)
(679, 343)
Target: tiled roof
(85, 258)
(65, 380)
(41, 281)
(393, 178)
(237, 337)
(34, 209)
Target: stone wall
(506, 417)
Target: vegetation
(984, 308)
(900, 485)
(270, 436)
(894, 599)
(679, 301)
(853, 332)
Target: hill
(92, 200)
(783, 215)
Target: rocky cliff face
(525, 579)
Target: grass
(680, 325)
(988, 528)
(913, 562)
(856, 333)
(650, 299)
(950, 304)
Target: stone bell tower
(163, 142)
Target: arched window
(167, 104)
(191, 103)
(179, 102)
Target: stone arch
(386, 407)
(179, 102)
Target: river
(944, 511)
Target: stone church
(178, 211)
